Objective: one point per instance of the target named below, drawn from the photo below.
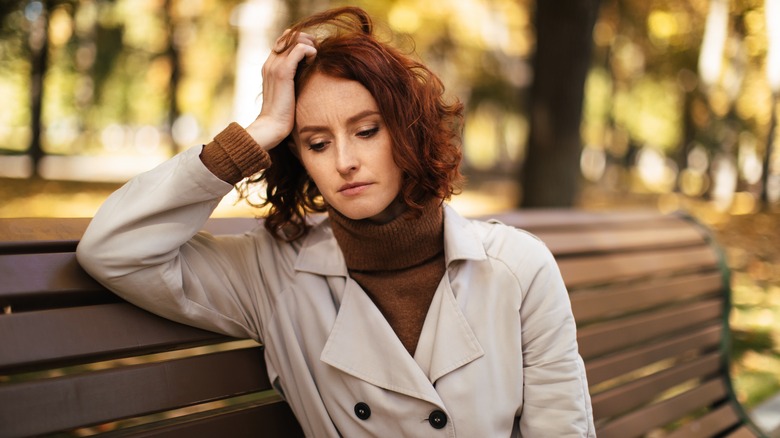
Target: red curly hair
(425, 129)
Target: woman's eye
(316, 147)
(366, 133)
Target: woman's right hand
(277, 115)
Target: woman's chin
(377, 215)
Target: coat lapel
(447, 341)
(362, 344)
(320, 253)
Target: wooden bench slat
(46, 271)
(633, 394)
(33, 235)
(56, 337)
(589, 305)
(578, 241)
(50, 405)
(550, 219)
(605, 368)
(274, 420)
(599, 339)
(31, 275)
(709, 425)
(16, 233)
(582, 271)
(34, 276)
(743, 432)
(644, 420)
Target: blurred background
(593, 104)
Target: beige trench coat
(497, 356)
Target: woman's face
(346, 148)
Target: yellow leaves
(60, 27)
(500, 25)
(404, 18)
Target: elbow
(87, 256)
(93, 256)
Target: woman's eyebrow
(350, 120)
(361, 115)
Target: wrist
(265, 133)
(234, 155)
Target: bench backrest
(72, 355)
(649, 292)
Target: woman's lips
(353, 189)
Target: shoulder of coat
(502, 240)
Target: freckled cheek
(316, 169)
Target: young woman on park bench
(389, 314)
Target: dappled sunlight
(680, 105)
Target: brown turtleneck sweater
(399, 264)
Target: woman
(389, 316)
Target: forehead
(326, 97)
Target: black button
(362, 411)
(438, 419)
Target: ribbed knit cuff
(234, 155)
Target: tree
(550, 175)
(39, 59)
(37, 13)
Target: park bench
(650, 295)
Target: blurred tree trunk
(39, 57)
(766, 165)
(174, 58)
(551, 173)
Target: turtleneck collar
(398, 244)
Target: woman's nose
(346, 160)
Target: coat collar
(320, 252)
(461, 239)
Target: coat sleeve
(144, 245)
(556, 401)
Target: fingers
(283, 43)
(302, 50)
(287, 53)
(276, 118)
